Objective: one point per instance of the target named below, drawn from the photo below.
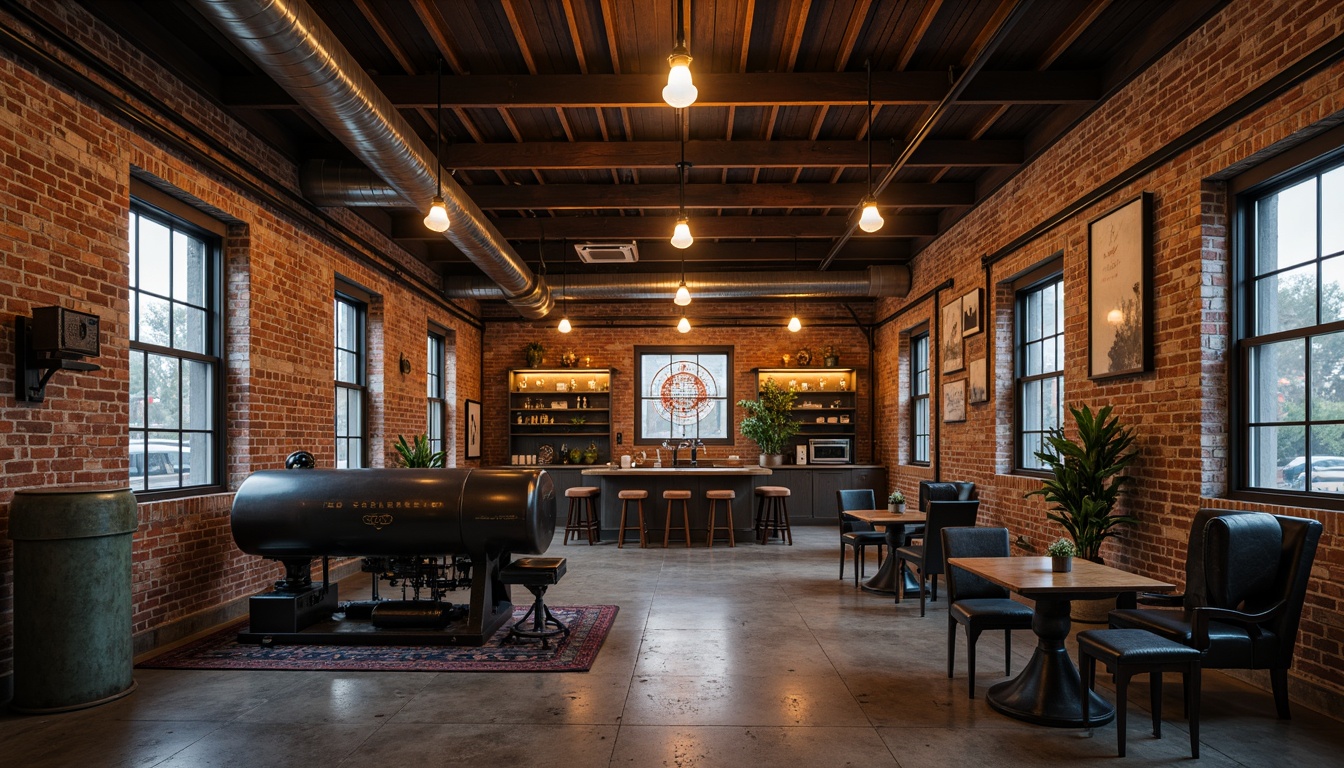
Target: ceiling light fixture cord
(680, 91)
(436, 219)
(870, 220)
(681, 233)
(795, 324)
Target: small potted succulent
(535, 352)
(1061, 555)
(896, 502)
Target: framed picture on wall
(473, 427)
(954, 400)
(971, 323)
(1119, 290)
(978, 385)
(949, 338)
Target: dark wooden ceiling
(553, 120)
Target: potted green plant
(769, 422)
(896, 502)
(1087, 476)
(418, 453)
(535, 351)
(830, 356)
(1061, 553)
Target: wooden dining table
(884, 582)
(1047, 691)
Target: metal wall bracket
(32, 371)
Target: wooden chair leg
(1155, 701)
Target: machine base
(344, 631)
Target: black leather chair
(1243, 610)
(976, 603)
(937, 490)
(927, 558)
(854, 532)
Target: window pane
(1278, 390)
(1278, 457)
(1332, 200)
(342, 454)
(155, 318)
(1286, 227)
(1286, 301)
(342, 413)
(162, 391)
(347, 367)
(155, 260)
(1031, 443)
(137, 463)
(1326, 471)
(137, 389)
(1332, 289)
(197, 459)
(188, 329)
(1032, 329)
(1050, 403)
(197, 395)
(189, 269)
(162, 459)
(1031, 406)
(1327, 377)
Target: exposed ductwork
(297, 50)
(876, 281)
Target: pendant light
(564, 326)
(870, 220)
(681, 234)
(795, 324)
(437, 218)
(684, 325)
(680, 92)
(683, 296)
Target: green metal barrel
(72, 596)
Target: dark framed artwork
(949, 338)
(978, 391)
(1119, 290)
(971, 323)
(473, 429)
(954, 401)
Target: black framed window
(919, 398)
(175, 363)
(351, 381)
(436, 409)
(684, 393)
(1291, 339)
(1038, 365)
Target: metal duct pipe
(292, 45)
(876, 281)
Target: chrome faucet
(695, 445)
(673, 449)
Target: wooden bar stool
(626, 497)
(772, 514)
(714, 498)
(682, 496)
(582, 514)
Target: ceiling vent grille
(608, 253)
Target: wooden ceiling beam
(409, 226)
(662, 254)
(560, 197)
(750, 89)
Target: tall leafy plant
(418, 453)
(1088, 476)
(769, 422)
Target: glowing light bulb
(681, 234)
(684, 325)
(795, 324)
(683, 296)
(437, 218)
(871, 220)
(679, 92)
(565, 327)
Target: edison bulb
(565, 327)
(871, 220)
(795, 324)
(437, 218)
(681, 234)
(684, 325)
(683, 296)
(679, 92)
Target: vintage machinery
(417, 529)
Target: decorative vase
(831, 361)
(1092, 611)
(1061, 564)
(772, 459)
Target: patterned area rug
(588, 626)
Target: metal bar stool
(582, 514)
(626, 497)
(536, 574)
(772, 514)
(681, 496)
(714, 498)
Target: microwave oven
(828, 450)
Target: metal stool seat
(626, 497)
(1129, 652)
(582, 519)
(714, 498)
(772, 514)
(536, 574)
(681, 496)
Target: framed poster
(970, 313)
(1119, 290)
(473, 429)
(978, 391)
(954, 400)
(949, 338)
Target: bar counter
(655, 480)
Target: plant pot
(772, 459)
(831, 361)
(1061, 564)
(533, 359)
(896, 509)
(1092, 611)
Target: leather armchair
(1243, 610)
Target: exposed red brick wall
(1180, 409)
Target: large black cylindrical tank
(371, 512)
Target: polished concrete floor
(754, 656)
